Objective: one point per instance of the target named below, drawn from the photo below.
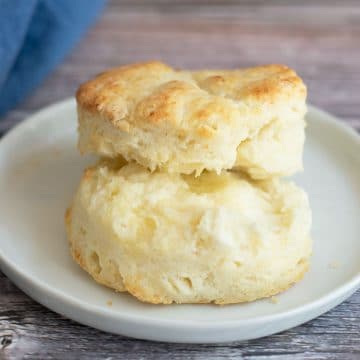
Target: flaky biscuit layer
(190, 121)
(175, 238)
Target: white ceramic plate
(39, 171)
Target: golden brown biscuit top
(154, 92)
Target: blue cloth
(35, 35)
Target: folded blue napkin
(35, 35)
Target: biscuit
(191, 121)
(168, 238)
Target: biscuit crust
(190, 121)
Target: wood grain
(320, 39)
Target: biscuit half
(168, 238)
(191, 121)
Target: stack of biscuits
(186, 203)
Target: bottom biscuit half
(179, 239)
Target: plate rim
(15, 272)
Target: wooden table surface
(320, 39)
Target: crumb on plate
(334, 265)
